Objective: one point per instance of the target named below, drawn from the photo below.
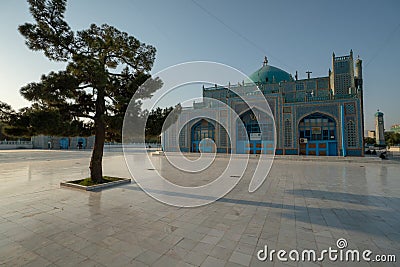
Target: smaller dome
(270, 74)
(378, 114)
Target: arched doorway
(259, 129)
(64, 143)
(203, 130)
(81, 143)
(317, 135)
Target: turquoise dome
(378, 114)
(274, 75)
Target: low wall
(54, 142)
(118, 146)
(15, 145)
(394, 149)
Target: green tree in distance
(6, 112)
(392, 138)
(156, 120)
(104, 68)
(30, 121)
(369, 140)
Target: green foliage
(104, 68)
(156, 120)
(51, 34)
(159, 120)
(369, 140)
(153, 139)
(34, 121)
(6, 112)
(392, 138)
(7, 116)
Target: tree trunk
(96, 162)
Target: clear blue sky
(295, 35)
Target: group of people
(79, 145)
(382, 155)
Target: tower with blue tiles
(379, 128)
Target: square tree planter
(115, 181)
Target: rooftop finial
(265, 61)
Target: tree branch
(84, 86)
(122, 58)
(116, 74)
(111, 98)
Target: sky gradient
(295, 35)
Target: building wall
(290, 101)
(379, 129)
(6, 145)
(371, 134)
(53, 142)
(343, 74)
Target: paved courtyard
(302, 205)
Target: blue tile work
(288, 116)
(323, 93)
(354, 152)
(331, 109)
(291, 100)
(291, 151)
(349, 108)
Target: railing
(118, 146)
(5, 145)
(342, 58)
(238, 85)
(319, 98)
(16, 142)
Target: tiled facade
(313, 116)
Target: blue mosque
(320, 116)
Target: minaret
(358, 74)
(379, 128)
(332, 75)
(342, 76)
(358, 82)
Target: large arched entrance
(203, 130)
(317, 135)
(259, 129)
